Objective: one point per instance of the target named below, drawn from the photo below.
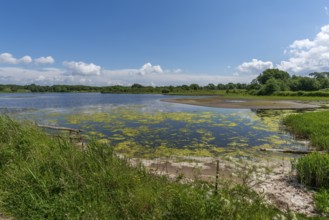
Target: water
(144, 126)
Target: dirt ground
(274, 179)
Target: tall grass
(46, 178)
(313, 169)
(311, 125)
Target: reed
(311, 125)
(313, 169)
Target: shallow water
(143, 126)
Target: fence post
(217, 177)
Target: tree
(210, 86)
(194, 86)
(272, 85)
(136, 86)
(308, 84)
(272, 73)
(230, 86)
(221, 86)
(320, 75)
(254, 85)
(185, 87)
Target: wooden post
(217, 177)
(73, 134)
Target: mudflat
(220, 102)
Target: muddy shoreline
(219, 102)
(274, 179)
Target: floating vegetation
(143, 131)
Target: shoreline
(274, 179)
(219, 102)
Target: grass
(320, 93)
(46, 178)
(313, 169)
(311, 125)
(322, 201)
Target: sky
(159, 42)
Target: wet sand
(220, 102)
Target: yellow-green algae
(136, 132)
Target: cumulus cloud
(10, 59)
(308, 55)
(254, 66)
(7, 58)
(25, 59)
(44, 60)
(148, 68)
(81, 68)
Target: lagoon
(145, 127)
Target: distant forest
(269, 82)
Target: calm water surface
(144, 126)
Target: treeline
(54, 88)
(275, 81)
(135, 88)
(270, 81)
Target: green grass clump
(47, 178)
(321, 199)
(313, 170)
(311, 125)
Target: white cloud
(7, 58)
(124, 77)
(148, 69)
(81, 68)
(326, 10)
(25, 59)
(178, 70)
(308, 55)
(23, 76)
(254, 66)
(44, 60)
(51, 76)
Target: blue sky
(159, 42)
